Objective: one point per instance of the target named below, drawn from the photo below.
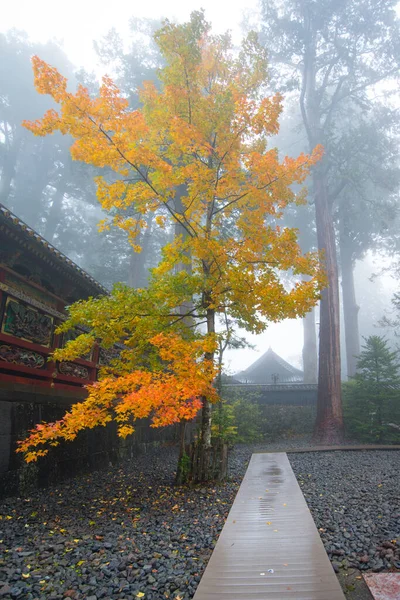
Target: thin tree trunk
(203, 468)
(310, 356)
(350, 307)
(186, 264)
(190, 471)
(218, 386)
(329, 422)
(31, 183)
(379, 406)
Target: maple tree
(195, 154)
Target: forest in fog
(336, 65)
(200, 299)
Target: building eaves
(41, 246)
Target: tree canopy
(196, 155)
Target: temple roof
(270, 369)
(11, 225)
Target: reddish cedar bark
(329, 422)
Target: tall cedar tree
(373, 397)
(331, 51)
(196, 155)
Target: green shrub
(223, 427)
(255, 420)
(248, 420)
(281, 420)
(363, 420)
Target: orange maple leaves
(196, 155)
(167, 395)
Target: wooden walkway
(269, 548)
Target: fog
(82, 22)
(57, 197)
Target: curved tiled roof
(42, 246)
(266, 367)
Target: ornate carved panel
(21, 356)
(69, 368)
(27, 323)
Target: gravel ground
(128, 533)
(116, 534)
(354, 498)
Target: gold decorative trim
(32, 301)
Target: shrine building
(270, 368)
(37, 282)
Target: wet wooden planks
(269, 548)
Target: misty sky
(78, 22)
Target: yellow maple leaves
(196, 156)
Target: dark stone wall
(23, 406)
(283, 395)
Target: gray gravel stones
(114, 535)
(354, 498)
(124, 532)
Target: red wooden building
(36, 283)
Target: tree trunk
(186, 265)
(31, 183)
(310, 356)
(202, 463)
(54, 216)
(137, 276)
(183, 459)
(350, 307)
(9, 163)
(329, 422)
(136, 268)
(203, 471)
(206, 465)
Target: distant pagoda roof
(270, 369)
